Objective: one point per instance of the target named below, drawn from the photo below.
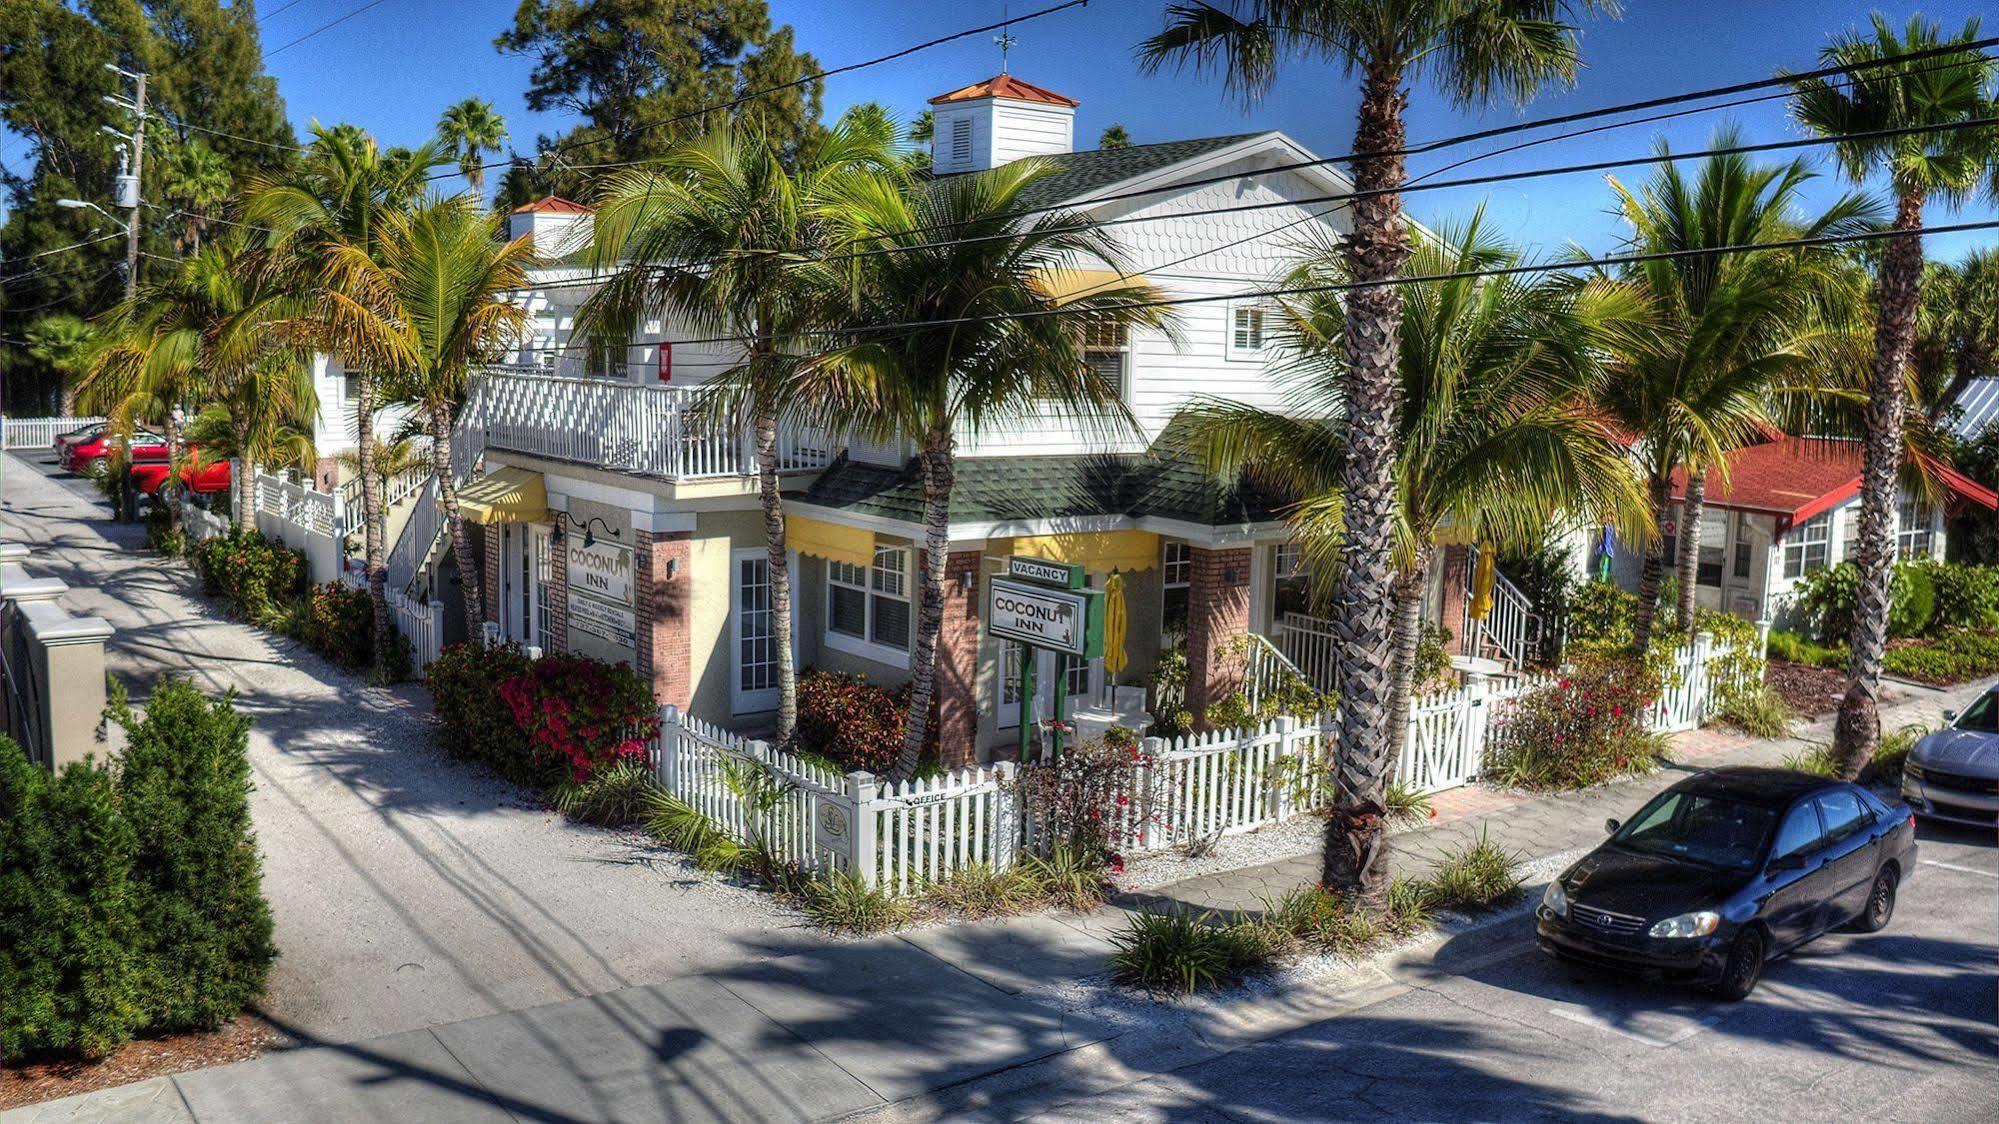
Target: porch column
(958, 661)
(1455, 561)
(491, 567)
(1217, 611)
(664, 629)
(557, 637)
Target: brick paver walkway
(1536, 825)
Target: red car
(87, 458)
(148, 476)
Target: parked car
(1727, 869)
(82, 433)
(210, 480)
(1953, 774)
(87, 457)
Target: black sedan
(1727, 869)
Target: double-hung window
(1807, 547)
(1104, 350)
(1176, 577)
(870, 604)
(1913, 536)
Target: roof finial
(1005, 38)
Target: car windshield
(1708, 830)
(1982, 715)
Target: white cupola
(1000, 119)
(560, 227)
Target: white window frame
(1246, 352)
(1176, 571)
(1121, 349)
(1798, 541)
(740, 700)
(1912, 533)
(871, 584)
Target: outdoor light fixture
(589, 534)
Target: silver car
(1953, 774)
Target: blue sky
(394, 67)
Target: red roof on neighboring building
(1796, 478)
(553, 204)
(1006, 86)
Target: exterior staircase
(1510, 632)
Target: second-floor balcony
(657, 431)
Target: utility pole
(138, 171)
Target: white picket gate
(421, 623)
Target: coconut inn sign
(1044, 605)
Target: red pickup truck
(148, 476)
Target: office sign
(1060, 620)
(601, 569)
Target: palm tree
(433, 293)
(1727, 354)
(1492, 443)
(197, 336)
(1947, 165)
(1477, 52)
(470, 130)
(197, 182)
(729, 201)
(333, 202)
(62, 341)
(1957, 326)
(959, 336)
(263, 417)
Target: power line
(793, 84)
(327, 26)
(1561, 266)
(58, 250)
(281, 9)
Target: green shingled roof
(1004, 489)
(1079, 173)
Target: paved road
(1897, 1025)
(409, 890)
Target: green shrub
(162, 533)
(1080, 800)
(464, 683)
(1956, 656)
(1075, 880)
(71, 978)
(581, 715)
(1912, 600)
(618, 796)
(258, 577)
(1793, 648)
(1893, 752)
(1409, 906)
(844, 902)
(1405, 803)
(1476, 877)
(339, 623)
(1966, 596)
(1321, 918)
(1817, 760)
(1825, 601)
(979, 890)
(1583, 729)
(184, 785)
(1601, 616)
(851, 722)
(1924, 597)
(1179, 951)
(1761, 712)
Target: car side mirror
(1787, 862)
(1611, 825)
(1949, 717)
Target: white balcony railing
(625, 427)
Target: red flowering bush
(464, 684)
(580, 713)
(1583, 729)
(1084, 800)
(850, 721)
(339, 623)
(259, 577)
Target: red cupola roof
(1006, 86)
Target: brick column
(1217, 612)
(958, 662)
(664, 640)
(557, 639)
(1456, 564)
(489, 581)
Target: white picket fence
(901, 837)
(421, 623)
(38, 433)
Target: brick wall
(958, 662)
(664, 630)
(1455, 561)
(489, 579)
(1217, 611)
(557, 639)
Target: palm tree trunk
(1858, 729)
(1375, 252)
(447, 500)
(1654, 570)
(239, 477)
(176, 447)
(1409, 588)
(939, 474)
(372, 530)
(779, 562)
(1690, 549)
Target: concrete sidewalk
(849, 1027)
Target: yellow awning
(506, 495)
(1097, 552)
(1065, 284)
(833, 541)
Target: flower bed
(1583, 729)
(540, 722)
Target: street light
(85, 204)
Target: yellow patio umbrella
(1115, 658)
(1481, 582)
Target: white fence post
(1151, 782)
(1279, 797)
(1473, 728)
(1006, 815)
(862, 792)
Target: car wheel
(1744, 967)
(1880, 904)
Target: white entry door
(526, 555)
